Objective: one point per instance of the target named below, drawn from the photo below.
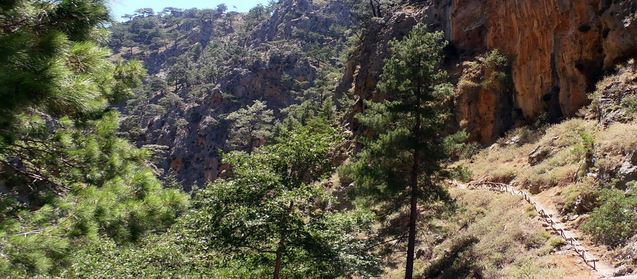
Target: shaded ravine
(553, 224)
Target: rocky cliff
(215, 69)
(557, 50)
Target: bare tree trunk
(371, 4)
(375, 5)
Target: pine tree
(59, 146)
(400, 161)
(250, 127)
(271, 216)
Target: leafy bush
(457, 145)
(586, 144)
(615, 221)
(581, 198)
(461, 173)
(630, 103)
(495, 58)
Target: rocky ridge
(274, 63)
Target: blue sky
(122, 7)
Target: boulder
(539, 154)
(622, 270)
(628, 170)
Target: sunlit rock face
(558, 50)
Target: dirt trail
(550, 216)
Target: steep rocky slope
(584, 168)
(219, 62)
(557, 51)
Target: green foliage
(630, 103)
(47, 60)
(495, 59)
(582, 197)
(415, 86)
(461, 173)
(108, 193)
(457, 147)
(250, 127)
(272, 206)
(586, 145)
(400, 162)
(67, 177)
(158, 256)
(615, 221)
(255, 16)
(127, 76)
(498, 64)
(315, 102)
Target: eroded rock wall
(483, 98)
(558, 49)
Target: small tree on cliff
(399, 164)
(250, 126)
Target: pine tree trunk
(280, 250)
(413, 207)
(278, 263)
(371, 3)
(413, 217)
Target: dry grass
(614, 143)
(618, 139)
(512, 242)
(505, 230)
(626, 73)
(509, 162)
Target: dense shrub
(615, 221)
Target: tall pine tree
(400, 161)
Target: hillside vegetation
(585, 165)
(317, 139)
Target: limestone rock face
(483, 99)
(619, 31)
(558, 50)
(365, 66)
(294, 18)
(276, 66)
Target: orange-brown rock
(483, 99)
(558, 48)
